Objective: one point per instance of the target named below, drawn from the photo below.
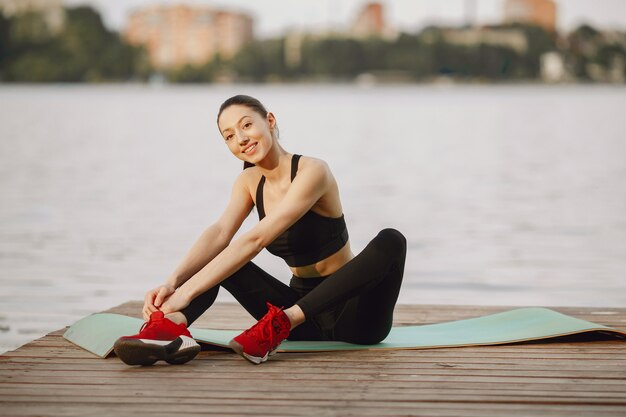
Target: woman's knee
(393, 240)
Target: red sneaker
(158, 339)
(263, 338)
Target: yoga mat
(97, 333)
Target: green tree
(5, 43)
(334, 57)
(583, 45)
(83, 51)
(260, 60)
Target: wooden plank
(344, 408)
(388, 401)
(608, 368)
(324, 385)
(331, 390)
(371, 379)
(74, 352)
(444, 359)
(601, 365)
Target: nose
(243, 139)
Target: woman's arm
(216, 237)
(211, 242)
(312, 182)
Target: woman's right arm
(210, 243)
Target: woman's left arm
(311, 183)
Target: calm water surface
(507, 195)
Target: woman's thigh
(362, 273)
(367, 317)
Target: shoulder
(248, 179)
(314, 166)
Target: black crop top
(310, 239)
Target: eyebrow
(228, 128)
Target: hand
(175, 302)
(154, 298)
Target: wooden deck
(567, 376)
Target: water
(507, 195)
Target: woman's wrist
(186, 292)
(171, 282)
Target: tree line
(86, 51)
(83, 51)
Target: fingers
(154, 299)
(149, 297)
(146, 312)
(164, 292)
(151, 308)
(160, 296)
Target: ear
(271, 119)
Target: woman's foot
(263, 338)
(158, 339)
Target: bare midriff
(325, 266)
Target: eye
(247, 124)
(229, 136)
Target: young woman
(332, 295)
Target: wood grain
(581, 375)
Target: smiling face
(247, 133)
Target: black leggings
(354, 304)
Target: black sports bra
(310, 239)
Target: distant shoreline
(338, 83)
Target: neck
(276, 165)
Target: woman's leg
(369, 285)
(367, 318)
(252, 287)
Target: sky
(273, 17)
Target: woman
(332, 295)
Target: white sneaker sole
(254, 359)
(146, 351)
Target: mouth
(250, 148)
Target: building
(51, 10)
(552, 67)
(538, 12)
(179, 35)
(293, 47)
(370, 22)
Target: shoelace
(264, 331)
(147, 324)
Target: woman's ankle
(295, 315)
(177, 317)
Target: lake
(508, 195)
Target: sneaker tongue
(157, 315)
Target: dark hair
(247, 101)
(243, 100)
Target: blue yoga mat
(97, 333)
